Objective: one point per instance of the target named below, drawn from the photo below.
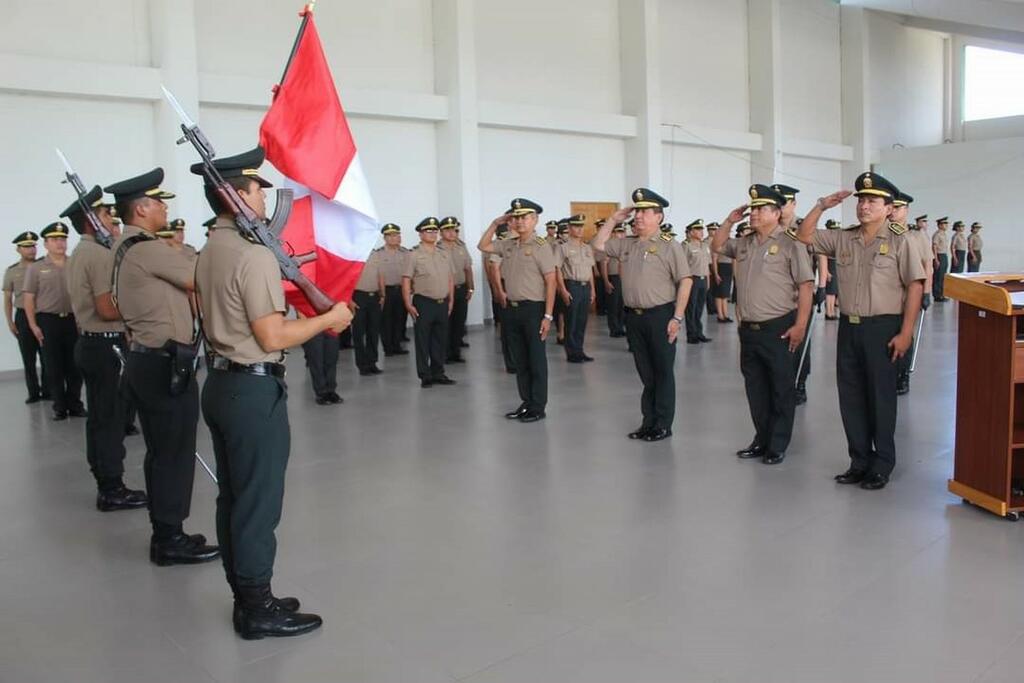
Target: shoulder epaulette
(416, 248)
(404, 249)
(13, 265)
(665, 237)
(791, 234)
(897, 228)
(379, 249)
(540, 240)
(852, 227)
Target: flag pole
(307, 12)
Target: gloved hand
(926, 301)
(819, 296)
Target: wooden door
(593, 211)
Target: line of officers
(880, 269)
(130, 319)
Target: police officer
(959, 247)
(17, 322)
(499, 299)
(612, 284)
(919, 238)
(699, 258)
(427, 289)
(551, 227)
(528, 267)
(393, 321)
(656, 283)
(174, 234)
(721, 281)
(709, 299)
(940, 252)
(462, 274)
(560, 307)
(321, 354)
(245, 404)
(575, 279)
(99, 330)
(974, 245)
(152, 285)
(367, 302)
(831, 281)
(776, 284)
(50, 318)
(880, 285)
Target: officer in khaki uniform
(368, 300)
(245, 400)
(698, 256)
(551, 228)
(612, 284)
(499, 299)
(656, 283)
(52, 321)
(575, 280)
(528, 268)
(880, 285)
(391, 261)
(959, 247)
(462, 274)
(427, 289)
(775, 286)
(152, 285)
(974, 245)
(174, 235)
(940, 251)
(709, 298)
(100, 330)
(917, 236)
(17, 322)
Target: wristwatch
(678, 319)
(549, 317)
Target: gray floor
(441, 542)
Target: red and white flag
(307, 138)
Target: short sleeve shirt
(975, 243)
(576, 261)
(959, 241)
(768, 274)
(88, 276)
(430, 271)
(524, 267)
(392, 263)
(460, 260)
(698, 254)
(45, 279)
(369, 279)
(14, 281)
(651, 269)
(940, 240)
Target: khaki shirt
(873, 277)
(45, 279)
(369, 279)
(768, 274)
(237, 283)
(392, 264)
(974, 242)
(959, 241)
(651, 269)
(88, 276)
(524, 267)
(698, 254)
(576, 261)
(150, 290)
(940, 240)
(920, 241)
(613, 263)
(430, 271)
(460, 260)
(14, 282)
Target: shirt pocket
(844, 258)
(885, 262)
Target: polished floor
(441, 542)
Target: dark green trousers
(248, 420)
(654, 356)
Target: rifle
(103, 235)
(249, 224)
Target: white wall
(814, 178)
(970, 181)
(811, 76)
(703, 183)
(993, 129)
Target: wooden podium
(988, 462)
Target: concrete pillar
(856, 72)
(764, 33)
(641, 92)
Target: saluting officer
(50, 317)
(880, 284)
(656, 283)
(427, 289)
(462, 273)
(528, 267)
(99, 330)
(775, 286)
(245, 400)
(575, 279)
(974, 245)
(368, 300)
(152, 285)
(393, 321)
(17, 322)
(699, 257)
(917, 236)
(940, 252)
(612, 283)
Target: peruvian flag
(307, 138)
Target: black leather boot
(263, 616)
(287, 604)
(182, 549)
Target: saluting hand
(545, 327)
(673, 330)
(738, 214)
(795, 335)
(621, 215)
(899, 345)
(833, 200)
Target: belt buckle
(638, 311)
(854, 319)
(755, 326)
(513, 304)
(440, 301)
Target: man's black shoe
(78, 412)
(704, 340)
(640, 433)
(751, 451)
(903, 384)
(401, 352)
(323, 400)
(851, 476)
(801, 395)
(33, 399)
(773, 458)
(874, 482)
(365, 371)
(182, 549)
(455, 359)
(59, 415)
(518, 412)
(374, 370)
(131, 430)
(261, 615)
(532, 416)
(332, 397)
(587, 359)
(692, 340)
(122, 498)
(288, 604)
(574, 359)
(426, 383)
(657, 434)
(463, 345)
(444, 380)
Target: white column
(766, 88)
(641, 92)
(173, 39)
(458, 138)
(856, 72)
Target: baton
(917, 339)
(807, 345)
(207, 468)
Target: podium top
(1001, 293)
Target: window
(993, 83)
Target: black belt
(524, 302)
(102, 335)
(579, 282)
(359, 291)
(56, 315)
(392, 286)
(258, 369)
(771, 323)
(643, 311)
(136, 347)
(869, 319)
(430, 298)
